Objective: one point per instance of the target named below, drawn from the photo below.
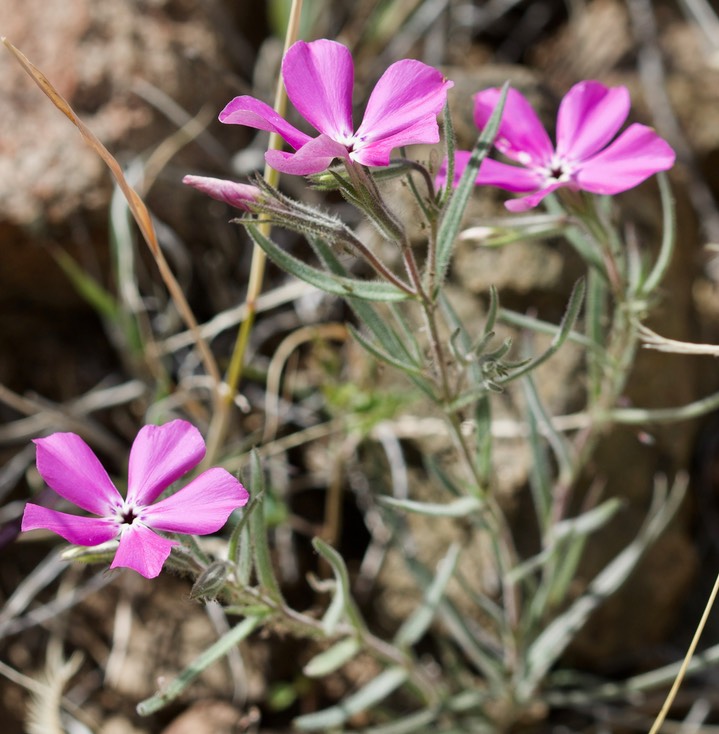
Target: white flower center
(128, 514)
(557, 170)
(347, 139)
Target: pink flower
(235, 194)
(319, 76)
(590, 115)
(159, 456)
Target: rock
(116, 64)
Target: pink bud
(235, 194)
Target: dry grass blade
(652, 340)
(43, 714)
(134, 202)
(279, 359)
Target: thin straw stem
(687, 659)
(221, 418)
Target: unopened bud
(241, 196)
(211, 581)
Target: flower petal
(377, 152)
(524, 203)
(159, 456)
(493, 173)
(314, 157)
(235, 194)
(70, 467)
(509, 178)
(521, 136)
(319, 77)
(74, 528)
(142, 550)
(590, 115)
(201, 507)
(402, 109)
(634, 156)
(254, 113)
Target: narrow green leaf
(658, 677)
(522, 570)
(342, 579)
(507, 316)
(571, 539)
(492, 311)
(669, 233)
(555, 637)
(437, 471)
(258, 532)
(383, 356)
(369, 290)
(588, 522)
(496, 237)
(565, 329)
(418, 622)
(559, 560)
(540, 478)
(464, 340)
(458, 508)
(594, 317)
(239, 545)
(426, 203)
(541, 427)
(483, 659)
(638, 416)
(366, 312)
(366, 697)
(407, 333)
(229, 640)
(333, 658)
(477, 392)
(93, 292)
(335, 610)
(483, 421)
(454, 211)
(564, 573)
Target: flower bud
(241, 196)
(211, 581)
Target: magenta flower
(159, 456)
(319, 76)
(590, 115)
(235, 194)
